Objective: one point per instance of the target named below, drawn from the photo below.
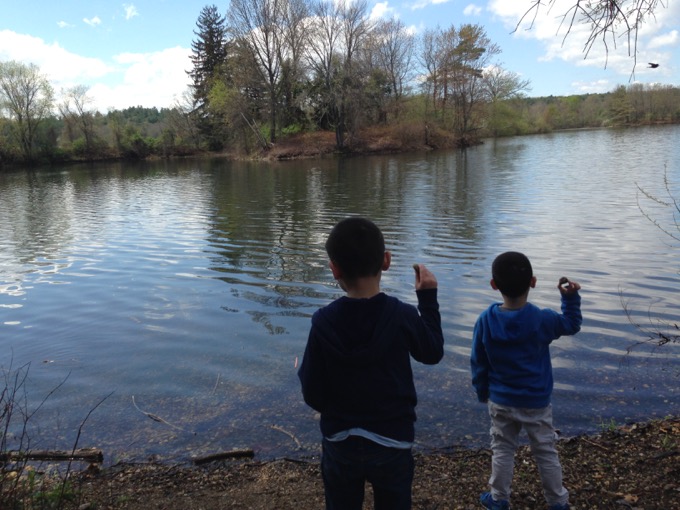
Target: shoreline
(322, 144)
(634, 466)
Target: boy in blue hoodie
(512, 371)
(356, 371)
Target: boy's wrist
(426, 292)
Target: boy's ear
(533, 282)
(387, 260)
(337, 273)
(493, 284)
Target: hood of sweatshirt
(514, 326)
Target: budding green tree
(26, 99)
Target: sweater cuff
(427, 297)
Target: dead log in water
(83, 454)
(233, 454)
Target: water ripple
(191, 284)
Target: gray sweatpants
(506, 425)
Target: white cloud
(472, 10)
(669, 39)
(130, 11)
(421, 4)
(148, 79)
(129, 79)
(381, 10)
(64, 24)
(60, 65)
(93, 22)
(594, 87)
(412, 30)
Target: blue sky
(136, 53)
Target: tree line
(269, 69)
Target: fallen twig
(284, 431)
(663, 455)
(157, 418)
(216, 383)
(595, 444)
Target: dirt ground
(626, 468)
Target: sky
(136, 53)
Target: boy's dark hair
(512, 273)
(356, 245)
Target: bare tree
(295, 38)
(324, 41)
(28, 98)
(259, 23)
(609, 20)
(500, 88)
(322, 60)
(183, 121)
(501, 84)
(431, 58)
(75, 110)
(354, 30)
(338, 31)
(393, 47)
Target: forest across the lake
(390, 91)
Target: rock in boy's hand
(566, 286)
(424, 277)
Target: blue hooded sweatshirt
(510, 358)
(356, 370)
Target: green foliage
(95, 149)
(28, 99)
(133, 145)
(607, 426)
(141, 115)
(209, 50)
(620, 109)
(292, 129)
(505, 119)
(54, 496)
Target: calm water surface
(184, 290)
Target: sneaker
(560, 507)
(489, 503)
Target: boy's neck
(362, 288)
(514, 303)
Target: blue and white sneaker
(487, 501)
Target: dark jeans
(347, 465)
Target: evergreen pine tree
(209, 55)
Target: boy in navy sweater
(512, 371)
(356, 371)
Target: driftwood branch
(233, 454)
(157, 418)
(289, 434)
(82, 454)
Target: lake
(160, 309)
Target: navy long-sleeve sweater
(356, 370)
